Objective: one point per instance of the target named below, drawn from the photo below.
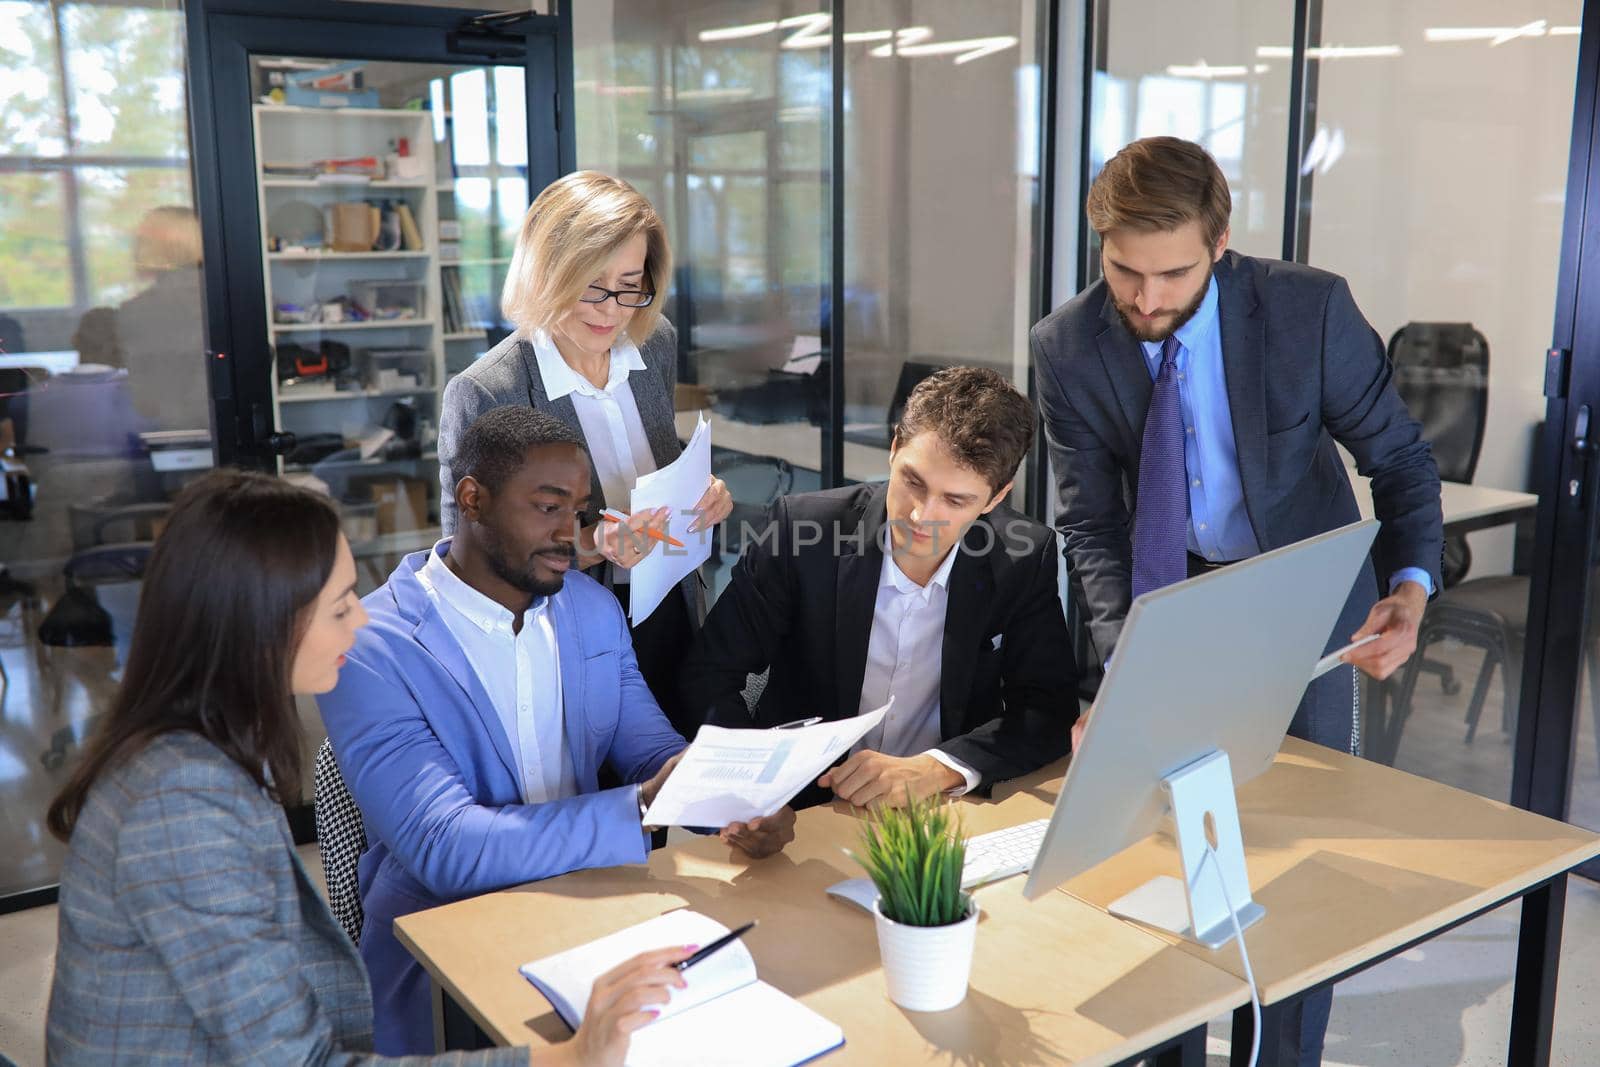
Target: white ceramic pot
(927, 967)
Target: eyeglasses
(628, 298)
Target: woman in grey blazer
(188, 930)
(592, 348)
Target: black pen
(725, 939)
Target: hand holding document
(1336, 657)
(678, 486)
(729, 776)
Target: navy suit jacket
(423, 752)
(1303, 370)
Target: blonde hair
(1158, 184)
(167, 238)
(567, 236)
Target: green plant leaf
(914, 856)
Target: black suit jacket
(801, 603)
(1303, 370)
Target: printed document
(737, 775)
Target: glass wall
(719, 114)
(104, 408)
(941, 177)
(1434, 182)
(722, 115)
(1216, 73)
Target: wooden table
(1054, 981)
(1356, 862)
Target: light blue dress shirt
(1219, 527)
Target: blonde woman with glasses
(591, 347)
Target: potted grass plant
(927, 925)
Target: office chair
(912, 373)
(1490, 614)
(1441, 371)
(341, 839)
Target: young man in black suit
(926, 589)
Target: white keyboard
(1002, 853)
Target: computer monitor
(1216, 663)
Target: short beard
(523, 579)
(1177, 324)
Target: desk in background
(1467, 508)
(1053, 981)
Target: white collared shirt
(905, 659)
(521, 672)
(609, 418)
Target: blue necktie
(1161, 518)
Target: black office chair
(1441, 371)
(912, 373)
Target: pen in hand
(610, 515)
(726, 939)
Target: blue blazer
(189, 933)
(435, 775)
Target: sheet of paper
(756, 1025)
(805, 355)
(1332, 660)
(679, 486)
(735, 775)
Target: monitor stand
(1205, 813)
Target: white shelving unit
(285, 134)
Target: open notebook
(724, 1016)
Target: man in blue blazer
(476, 708)
(1205, 390)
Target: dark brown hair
(1160, 183)
(979, 416)
(221, 613)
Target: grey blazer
(1303, 370)
(509, 374)
(190, 933)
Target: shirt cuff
(1411, 574)
(967, 773)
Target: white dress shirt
(609, 417)
(520, 671)
(905, 659)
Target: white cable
(1249, 975)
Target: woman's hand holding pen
(624, 544)
(622, 1000)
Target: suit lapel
(856, 599)
(1244, 366)
(971, 583)
(1125, 366)
(655, 412)
(435, 637)
(569, 647)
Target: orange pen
(656, 535)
